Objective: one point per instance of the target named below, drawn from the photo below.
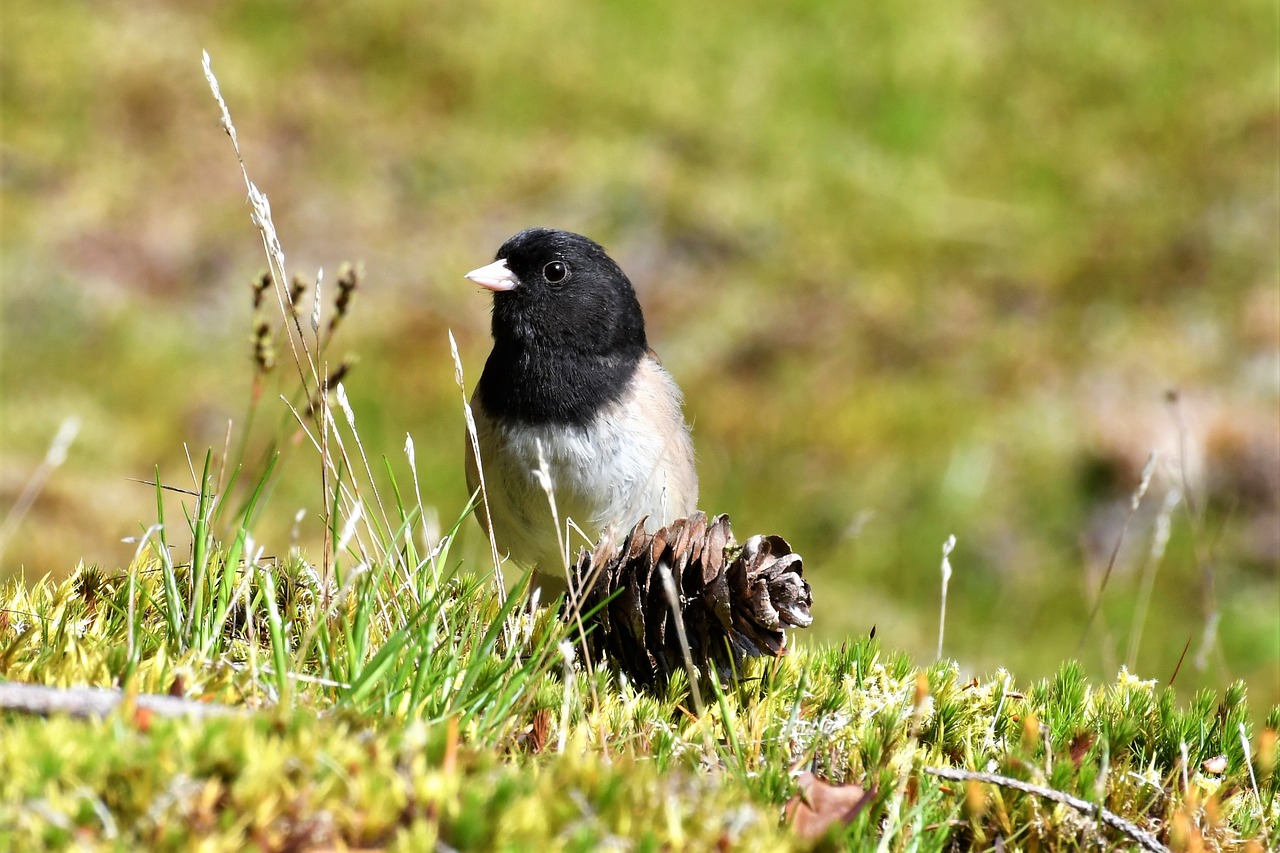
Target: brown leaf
(539, 729)
(1080, 745)
(818, 805)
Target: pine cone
(733, 602)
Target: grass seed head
(259, 286)
(349, 279)
(264, 353)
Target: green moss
(399, 766)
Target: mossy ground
(407, 752)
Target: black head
(567, 327)
(555, 289)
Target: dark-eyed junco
(571, 369)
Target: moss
(531, 766)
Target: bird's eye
(555, 272)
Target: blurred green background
(921, 268)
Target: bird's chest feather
(632, 460)
(596, 470)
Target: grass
(441, 728)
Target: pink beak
(495, 277)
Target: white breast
(635, 460)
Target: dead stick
(99, 702)
(1111, 819)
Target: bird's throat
(537, 386)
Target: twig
(84, 702)
(1144, 839)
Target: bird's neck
(540, 386)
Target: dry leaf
(818, 805)
(1080, 745)
(539, 730)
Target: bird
(571, 381)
